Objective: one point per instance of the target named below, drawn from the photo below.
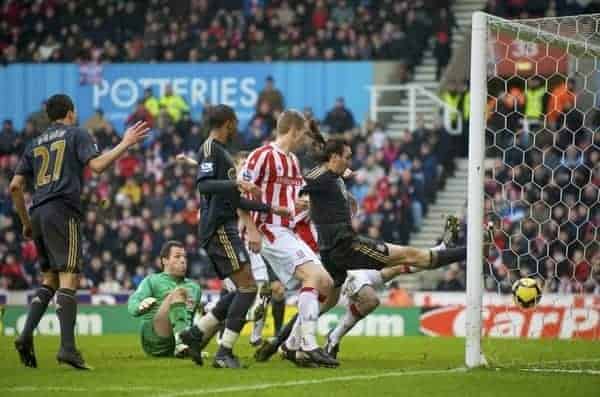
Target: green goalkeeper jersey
(158, 286)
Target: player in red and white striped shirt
(275, 169)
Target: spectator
(270, 96)
(151, 102)
(450, 282)
(174, 104)
(10, 142)
(109, 285)
(442, 51)
(562, 96)
(132, 191)
(97, 122)
(342, 14)
(12, 269)
(141, 113)
(39, 119)
(339, 119)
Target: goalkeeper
(166, 302)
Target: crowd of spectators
(148, 198)
(542, 191)
(523, 9)
(210, 30)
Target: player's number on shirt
(58, 149)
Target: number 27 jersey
(54, 162)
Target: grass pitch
(371, 366)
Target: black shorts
(354, 253)
(226, 250)
(57, 236)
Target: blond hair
(289, 118)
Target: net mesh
(541, 189)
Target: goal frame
(475, 195)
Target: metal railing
(411, 92)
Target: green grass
(371, 366)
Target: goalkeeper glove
(146, 304)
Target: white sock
(229, 338)
(351, 317)
(207, 323)
(257, 330)
(308, 309)
(293, 341)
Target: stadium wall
(434, 314)
(115, 88)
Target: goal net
(534, 172)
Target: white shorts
(357, 279)
(258, 266)
(259, 271)
(285, 253)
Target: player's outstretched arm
(141, 300)
(134, 134)
(17, 188)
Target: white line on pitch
(575, 360)
(231, 389)
(246, 388)
(563, 371)
(57, 389)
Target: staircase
(424, 74)
(451, 200)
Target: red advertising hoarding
(510, 321)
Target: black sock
(37, 308)
(66, 309)
(286, 330)
(222, 307)
(448, 256)
(278, 309)
(236, 316)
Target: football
(526, 292)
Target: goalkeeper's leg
(171, 333)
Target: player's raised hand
(281, 211)
(248, 187)
(146, 304)
(136, 133)
(348, 173)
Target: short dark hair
(218, 115)
(165, 250)
(331, 147)
(58, 106)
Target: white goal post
(561, 142)
(475, 199)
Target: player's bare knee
(325, 283)
(368, 299)
(68, 280)
(50, 280)
(277, 291)
(244, 280)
